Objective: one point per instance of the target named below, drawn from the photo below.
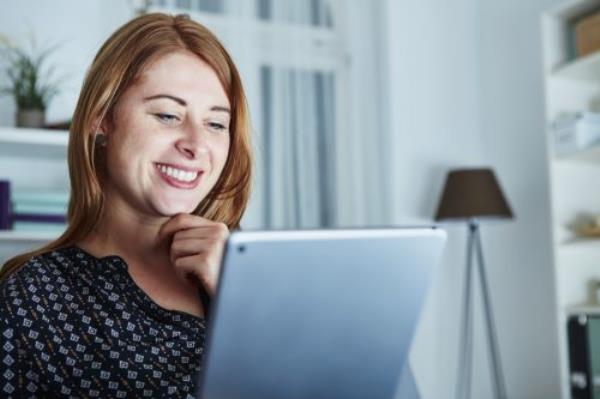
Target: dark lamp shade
(471, 194)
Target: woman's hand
(197, 248)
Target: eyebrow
(182, 102)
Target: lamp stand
(465, 365)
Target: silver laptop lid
(317, 314)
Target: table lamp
(471, 196)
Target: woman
(159, 159)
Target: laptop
(316, 314)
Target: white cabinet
(571, 85)
(31, 159)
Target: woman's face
(170, 137)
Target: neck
(131, 235)
(134, 236)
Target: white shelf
(585, 68)
(591, 154)
(575, 241)
(41, 143)
(593, 309)
(27, 236)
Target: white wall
(465, 89)
(514, 136)
(435, 124)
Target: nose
(193, 143)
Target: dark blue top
(72, 325)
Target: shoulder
(28, 289)
(36, 271)
(25, 325)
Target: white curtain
(324, 156)
(298, 128)
(298, 148)
(311, 73)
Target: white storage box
(575, 132)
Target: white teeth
(178, 174)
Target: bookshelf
(586, 69)
(571, 85)
(31, 159)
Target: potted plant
(29, 83)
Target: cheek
(137, 135)
(129, 148)
(125, 148)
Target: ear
(96, 127)
(100, 126)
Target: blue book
(32, 217)
(4, 205)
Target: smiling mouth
(177, 177)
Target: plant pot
(30, 118)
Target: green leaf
(30, 86)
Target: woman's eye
(168, 118)
(217, 126)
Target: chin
(170, 205)
(174, 209)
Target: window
(295, 66)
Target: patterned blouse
(72, 325)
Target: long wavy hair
(117, 64)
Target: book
(40, 218)
(587, 34)
(4, 205)
(584, 355)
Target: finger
(193, 245)
(185, 222)
(186, 267)
(189, 246)
(181, 221)
(198, 267)
(216, 230)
